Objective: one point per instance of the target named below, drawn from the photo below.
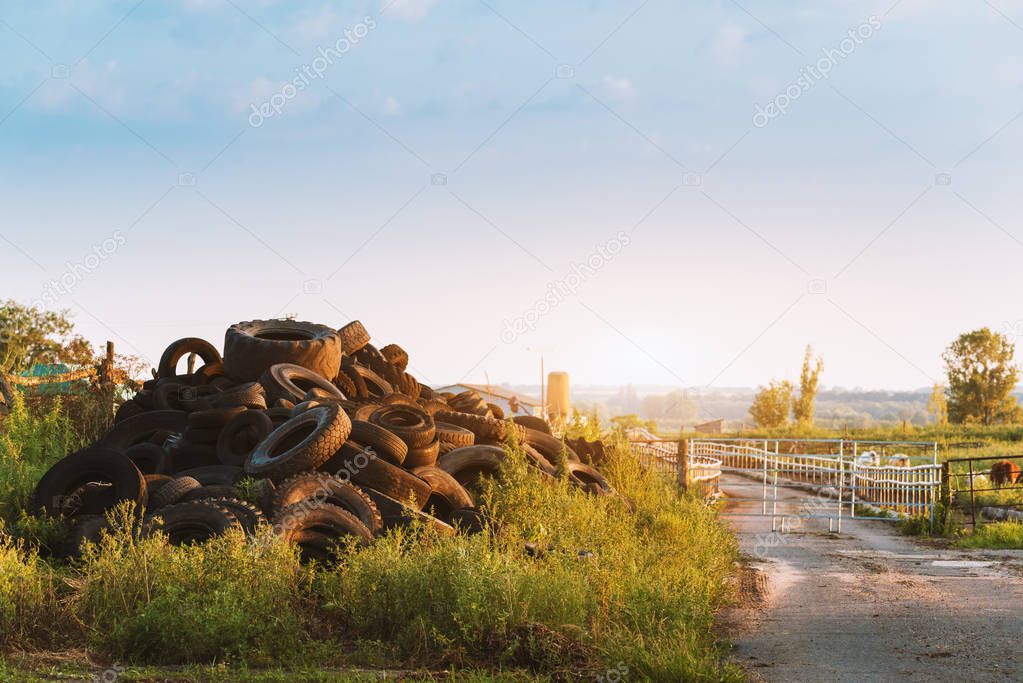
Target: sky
(642, 192)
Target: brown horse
(1005, 472)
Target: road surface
(869, 604)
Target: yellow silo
(559, 404)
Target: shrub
(994, 535)
(29, 607)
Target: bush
(29, 608)
(143, 600)
(994, 535)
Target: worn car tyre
(454, 435)
(192, 522)
(369, 383)
(215, 475)
(384, 442)
(85, 528)
(446, 493)
(467, 464)
(549, 446)
(483, 427)
(395, 514)
(253, 347)
(241, 435)
(292, 382)
(244, 395)
(149, 458)
(409, 423)
(419, 457)
(319, 487)
(172, 492)
(178, 349)
(247, 514)
(396, 356)
(590, 479)
(302, 443)
(320, 517)
(83, 467)
(366, 470)
(532, 422)
(124, 435)
(353, 337)
(214, 418)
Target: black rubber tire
(549, 446)
(346, 386)
(532, 422)
(204, 437)
(253, 347)
(155, 481)
(244, 395)
(124, 435)
(92, 465)
(454, 435)
(446, 494)
(187, 455)
(190, 522)
(471, 521)
(301, 444)
(129, 408)
(213, 418)
(241, 435)
(353, 463)
(411, 424)
(320, 517)
(85, 528)
(408, 385)
(396, 356)
(92, 498)
(353, 337)
(469, 463)
(172, 492)
(587, 477)
(433, 406)
(319, 487)
(395, 514)
(149, 458)
(291, 382)
(496, 411)
(365, 410)
(483, 427)
(398, 399)
(370, 384)
(247, 514)
(177, 350)
(384, 443)
(215, 475)
(420, 457)
(208, 493)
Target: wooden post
(107, 368)
(946, 487)
(683, 464)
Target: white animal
(899, 460)
(868, 459)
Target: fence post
(682, 464)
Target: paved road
(869, 604)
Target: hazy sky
(613, 185)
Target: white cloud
(391, 106)
(727, 46)
(619, 88)
(98, 81)
(407, 10)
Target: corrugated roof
(499, 392)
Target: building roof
(499, 392)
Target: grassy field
(638, 604)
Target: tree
(29, 336)
(771, 404)
(937, 406)
(804, 406)
(981, 377)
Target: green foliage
(632, 421)
(29, 606)
(228, 599)
(29, 336)
(994, 535)
(937, 405)
(804, 405)
(29, 445)
(770, 407)
(981, 377)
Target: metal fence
(984, 487)
(851, 472)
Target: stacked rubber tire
(335, 439)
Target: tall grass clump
(29, 605)
(229, 599)
(607, 582)
(29, 445)
(994, 536)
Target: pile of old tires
(334, 439)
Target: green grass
(994, 536)
(641, 598)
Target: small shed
(712, 427)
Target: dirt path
(869, 604)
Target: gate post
(682, 464)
